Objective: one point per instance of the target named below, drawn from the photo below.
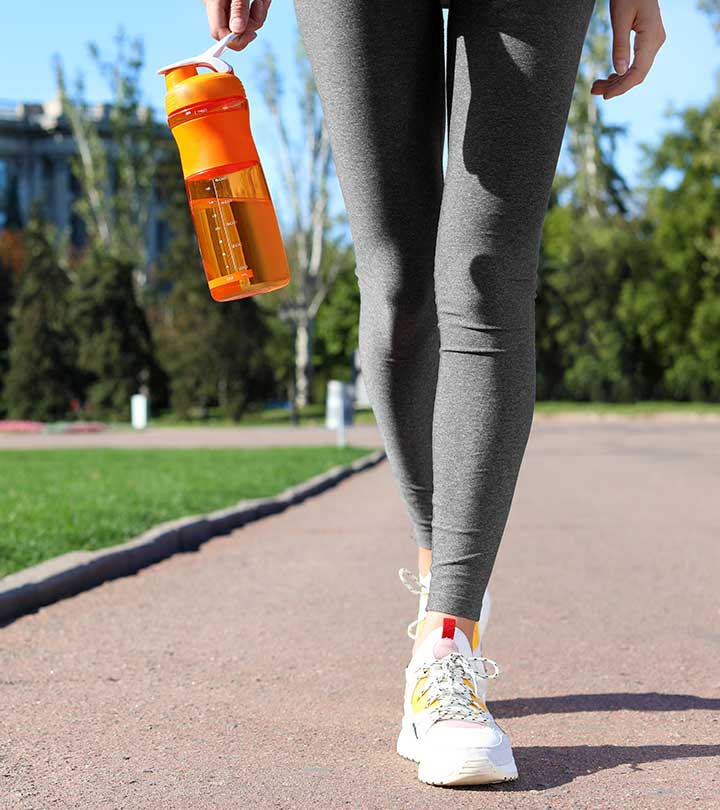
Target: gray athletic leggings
(447, 267)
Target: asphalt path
(265, 671)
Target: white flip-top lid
(209, 58)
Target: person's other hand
(237, 16)
(642, 17)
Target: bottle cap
(185, 86)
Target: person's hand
(237, 16)
(642, 17)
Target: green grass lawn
(54, 501)
(645, 408)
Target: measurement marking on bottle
(224, 231)
(243, 275)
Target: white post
(341, 435)
(338, 406)
(139, 411)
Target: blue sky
(684, 72)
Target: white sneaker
(421, 586)
(447, 728)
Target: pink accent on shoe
(443, 647)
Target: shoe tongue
(438, 646)
(444, 646)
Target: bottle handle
(209, 58)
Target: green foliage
(677, 298)
(7, 295)
(40, 379)
(116, 349)
(336, 336)
(116, 165)
(582, 347)
(213, 352)
(629, 306)
(628, 300)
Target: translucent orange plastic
(235, 222)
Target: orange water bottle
(235, 222)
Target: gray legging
(447, 267)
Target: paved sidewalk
(265, 671)
(289, 435)
(275, 436)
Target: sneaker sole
(472, 766)
(472, 769)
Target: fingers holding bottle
(240, 17)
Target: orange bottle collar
(185, 87)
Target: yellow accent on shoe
(419, 699)
(475, 698)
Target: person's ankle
(424, 561)
(433, 620)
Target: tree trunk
(303, 361)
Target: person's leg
(379, 72)
(512, 66)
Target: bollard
(139, 411)
(339, 409)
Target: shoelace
(413, 584)
(447, 685)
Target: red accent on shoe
(448, 628)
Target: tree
(41, 374)
(596, 186)
(213, 352)
(12, 260)
(337, 323)
(116, 349)
(115, 168)
(583, 350)
(306, 178)
(676, 301)
(7, 294)
(116, 158)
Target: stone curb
(77, 571)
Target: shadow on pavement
(610, 702)
(545, 767)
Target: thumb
(621, 44)
(238, 16)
